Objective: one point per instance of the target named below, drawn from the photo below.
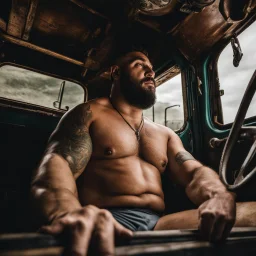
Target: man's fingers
(103, 236)
(206, 223)
(121, 231)
(218, 229)
(89, 223)
(80, 229)
(52, 229)
(80, 235)
(227, 230)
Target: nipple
(108, 151)
(163, 163)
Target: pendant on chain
(137, 133)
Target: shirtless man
(101, 172)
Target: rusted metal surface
(168, 74)
(17, 18)
(89, 63)
(85, 7)
(30, 19)
(200, 32)
(3, 25)
(233, 10)
(67, 30)
(142, 243)
(190, 6)
(156, 7)
(53, 251)
(6, 104)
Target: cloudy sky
(23, 85)
(235, 80)
(28, 86)
(169, 94)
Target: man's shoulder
(99, 103)
(159, 128)
(85, 112)
(94, 106)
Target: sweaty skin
(94, 161)
(120, 158)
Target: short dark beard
(135, 94)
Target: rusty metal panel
(30, 19)
(17, 19)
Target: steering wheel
(247, 131)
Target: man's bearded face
(135, 93)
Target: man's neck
(119, 102)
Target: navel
(108, 151)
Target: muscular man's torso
(122, 171)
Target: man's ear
(115, 72)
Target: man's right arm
(55, 194)
(67, 154)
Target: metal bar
(17, 17)
(153, 110)
(85, 7)
(244, 244)
(30, 19)
(33, 240)
(165, 113)
(89, 63)
(3, 24)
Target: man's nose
(150, 72)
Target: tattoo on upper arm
(183, 156)
(74, 143)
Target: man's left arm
(217, 206)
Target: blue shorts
(135, 219)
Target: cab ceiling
(91, 33)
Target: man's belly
(126, 182)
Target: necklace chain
(136, 131)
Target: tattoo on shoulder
(183, 156)
(74, 143)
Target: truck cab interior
(57, 54)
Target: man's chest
(113, 139)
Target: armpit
(183, 156)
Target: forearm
(54, 189)
(52, 203)
(205, 184)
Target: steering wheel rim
(233, 136)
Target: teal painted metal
(208, 125)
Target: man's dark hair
(124, 52)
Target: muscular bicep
(67, 153)
(181, 164)
(71, 139)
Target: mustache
(148, 79)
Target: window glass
(235, 80)
(169, 104)
(31, 87)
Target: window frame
(215, 86)
(33, 107)
(184, 100)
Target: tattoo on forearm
(182, 157)
(76, 146)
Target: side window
(235, 80)
(168, 109)
(34, 88)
